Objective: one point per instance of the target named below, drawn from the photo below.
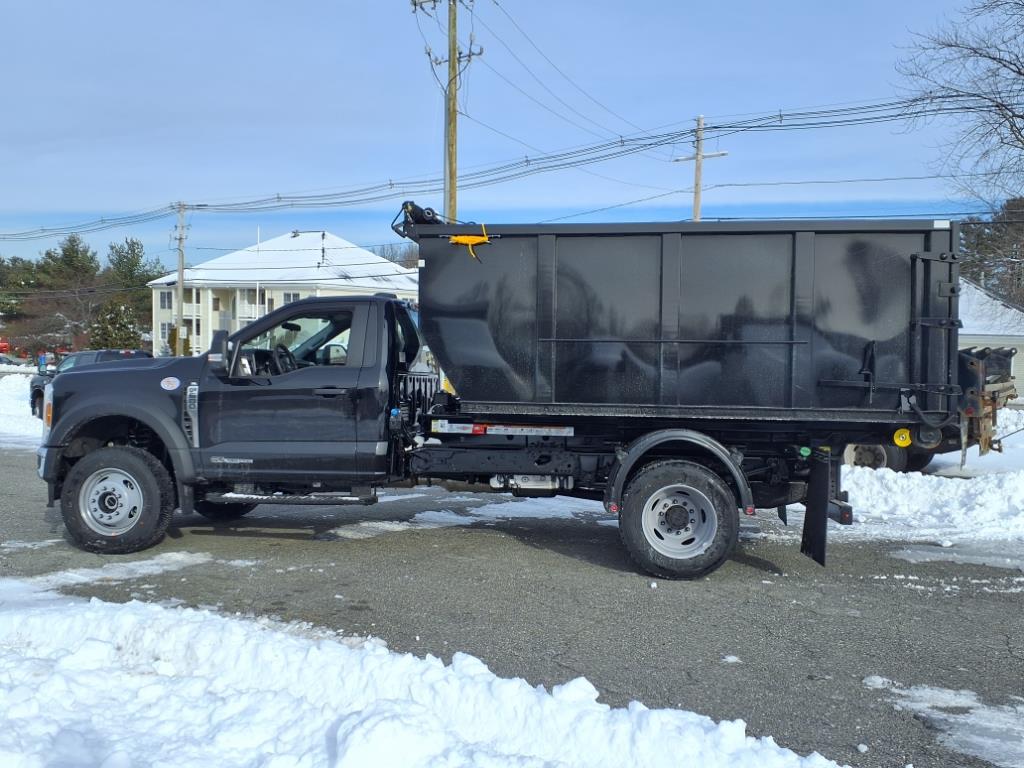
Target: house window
(270, 304)
(216, 303)
(288, 298)
(164, 330)
(166, 300)
(250, 296)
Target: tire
(918, 460)
(223, 511)
(117, 500)
(37, 405)
(678, 488)
(876, 457)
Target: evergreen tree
(129, 270)
(114, 328)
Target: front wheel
(678, 520)
(117, 500)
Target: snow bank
(95, 683)
(18, 427)
(8, 368)
(916, 506)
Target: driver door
(271, 422)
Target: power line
(540, 82)
(508, 171)
(562, 73)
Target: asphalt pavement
(771, 638)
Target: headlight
(48, 407)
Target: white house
(991, 322)
(230, 291)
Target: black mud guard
(825, 500)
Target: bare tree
(405, 254)
(973, 67)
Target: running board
(311, 499)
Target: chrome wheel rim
(110, 502)
(679, 522)
(865, 455)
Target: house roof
(985, 315)
(303, 259)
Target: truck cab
(313, 403)
(307, 392)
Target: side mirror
(219, 357)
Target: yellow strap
(471, 240)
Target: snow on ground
(1010, 460)
(558, 507)
(18, 427)
(136, 684)
(966, 724)
(8, 368)
(943, 506)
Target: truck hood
(124, 375)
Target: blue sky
(122, 106)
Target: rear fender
(629, 458)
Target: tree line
(67, 298)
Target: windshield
(68, 362)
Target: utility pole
(179, 346)
(457, 62)
(698, 164)
(451, 115)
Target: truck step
(311, 499)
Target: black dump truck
(683, 373)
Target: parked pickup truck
(45, 373)
(683, 373)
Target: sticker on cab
(171, 383)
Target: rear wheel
(876, 456)
(117, 500)
(213, 511)
(678, 520)
(918, 460)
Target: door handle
(330, 391)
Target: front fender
(154, 414)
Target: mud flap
(825, 500)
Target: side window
(313, 338)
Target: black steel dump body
(849, 321)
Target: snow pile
(95, 683)
(8, 368)
(18, 427)
(966, 724)
(914, 506)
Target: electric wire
(545, 163)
